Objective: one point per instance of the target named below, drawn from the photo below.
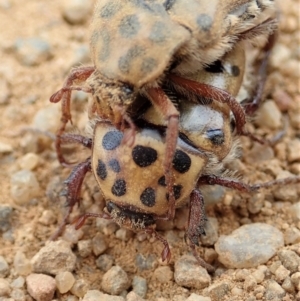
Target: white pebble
(24, 186)
(29, 161)
(41, 287)
(64, 281)
(269, 115)
(4, 268)
(4, 287)
(47, 119)
(22, 265)
(77, 11)
(5, 148)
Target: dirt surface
(26, 90)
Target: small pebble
(79, 288)
(249, 245)
(218, 291)
(18, 295)
(47, 218)
(250, 283)
(5, 215)
(18, 282)
(115, 280)
(293, 150)
(4, 268)
(296, 280)
(5, 148)
(106, 226)
(55, 257)
(124, 234)
(259, 153)
(99, 245)
(290, 260)
(286, 193)
(132, 296)
(22, 265)
(84, 248)
(24, 186)
(163, 274)
(94, 295)
(211, 230)
(139, 286)
(213, 194)
(288, 285)
(4, 287)
(281, 273)
(29, 161)
(72, 235)
(146, 263)
(105, 262)
(269, 115)
(274, 292)
(259, 275)
(41, 287)
(47, 119)
(291, 236)
(294, 210)
(195, 297)
(189, 273)
(77, 11)
(64, 281)
(32, 51)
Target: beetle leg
(64, 95)
(166, 253)
(72, 191)
(164, 105)
(233, 184)
(81, 220)
(211, 92)
(253, 104)
(196, 223)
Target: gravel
(64, 281)
(249, 246)
(5, 216)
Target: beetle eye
(216, 136)
(232, 125)
(127, 90)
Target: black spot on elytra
(176, 191)
(148, 197)
(109, 10)
(158, 32)
(148, 65)
(112, 140)
(144, 156)
(181, 161)
(129, 26)
(119, 187)
(101, 170)
(162, 181)
(204, 22)
(127, 59)
(235, 70)
(215, 67)
(216, 136)
(114, 165)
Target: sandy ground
(26, 90)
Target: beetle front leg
(72, 191)
(164, 105)
(196, 223)
(64, 95)
(233, 184)
(211, 92)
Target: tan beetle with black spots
(138, 44)
(132, 178)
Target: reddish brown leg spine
(73, 190)
(64, 94)
(196, 223)
(161, 101)
(214, 180)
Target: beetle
(137, 44)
